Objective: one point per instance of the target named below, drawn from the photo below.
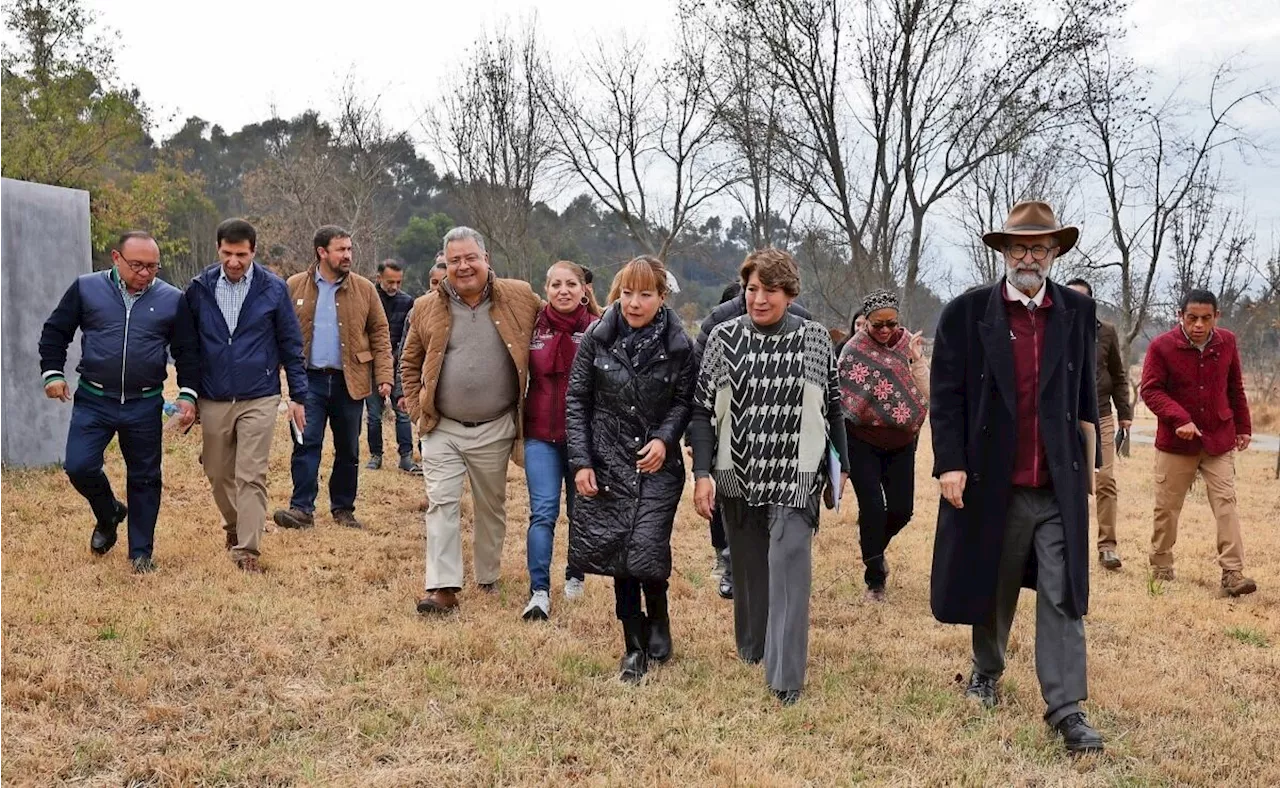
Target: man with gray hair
(464, 368)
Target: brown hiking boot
(249, 564)
(292, 518)
(347, 519)
(1164, 574)
(439, 602)
(1236, 584)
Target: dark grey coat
(611, 411)
(972, 412)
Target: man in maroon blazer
(1192, 382)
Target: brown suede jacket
(362, 329)
(514, 310)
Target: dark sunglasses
(889, 324)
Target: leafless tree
(641, 134)
(937, 88)
(1147, 158)
(1212, 244)
(495, 138)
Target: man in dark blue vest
(129, 323)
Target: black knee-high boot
(635, 662)
(659, 628)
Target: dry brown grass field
(321, 673)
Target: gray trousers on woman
(772, 549)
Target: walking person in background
(465, 368)
(733, 304)
(571, 309)
(627, 407)
(438, 273)
(884, 394)
(129, 322)
(1113, 385)
(1013, 399)
(347, 346)
(765, 409)
(396, 304)
(246, 331)
(1192, 381)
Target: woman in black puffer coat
(629, 399)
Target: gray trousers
(772, 549)
(1035, 523)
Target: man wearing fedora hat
(1014, 410)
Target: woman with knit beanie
(884, 394)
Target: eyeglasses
(138, 267)
(470, 259)
(889, 324)
(1038, 252)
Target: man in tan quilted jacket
(346, 345)
(464, 367)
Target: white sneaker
(539, 607)
(574, 588)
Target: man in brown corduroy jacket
(1113, 386)
(464, 368)
(347, 348)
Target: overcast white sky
(233, 61)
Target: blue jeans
(404, 426)
(94, 421)
(327, 401)
(546, 467)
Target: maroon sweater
(1026, 328)
(1181, 384)
(544, 405)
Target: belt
(324, 371)
(479, 423)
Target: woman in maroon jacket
(570, 310)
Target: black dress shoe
(982, 689)
(1079, 735)
(787, 697)
(104, 534)
(726, 584)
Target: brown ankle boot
(1236, 584)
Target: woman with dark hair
(570, 310)
(766, 409)
(626, 409)
(884, 393)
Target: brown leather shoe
(292, 518)
(488, 588)
(1164, 574)
(347, 519)
(232, 540)
(439, 602)
(1236, 584)
(249, 564)
(1109, 559)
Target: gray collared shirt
(231, 295)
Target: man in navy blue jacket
(246, 330)
(129, 322)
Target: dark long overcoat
(612, 410)
(972, 414)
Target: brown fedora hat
(1031, 218)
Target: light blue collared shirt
(326, 348)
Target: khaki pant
(1105, 484)
(450, 452)
(1174, 474)
(237, 448)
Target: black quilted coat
(612, 410)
